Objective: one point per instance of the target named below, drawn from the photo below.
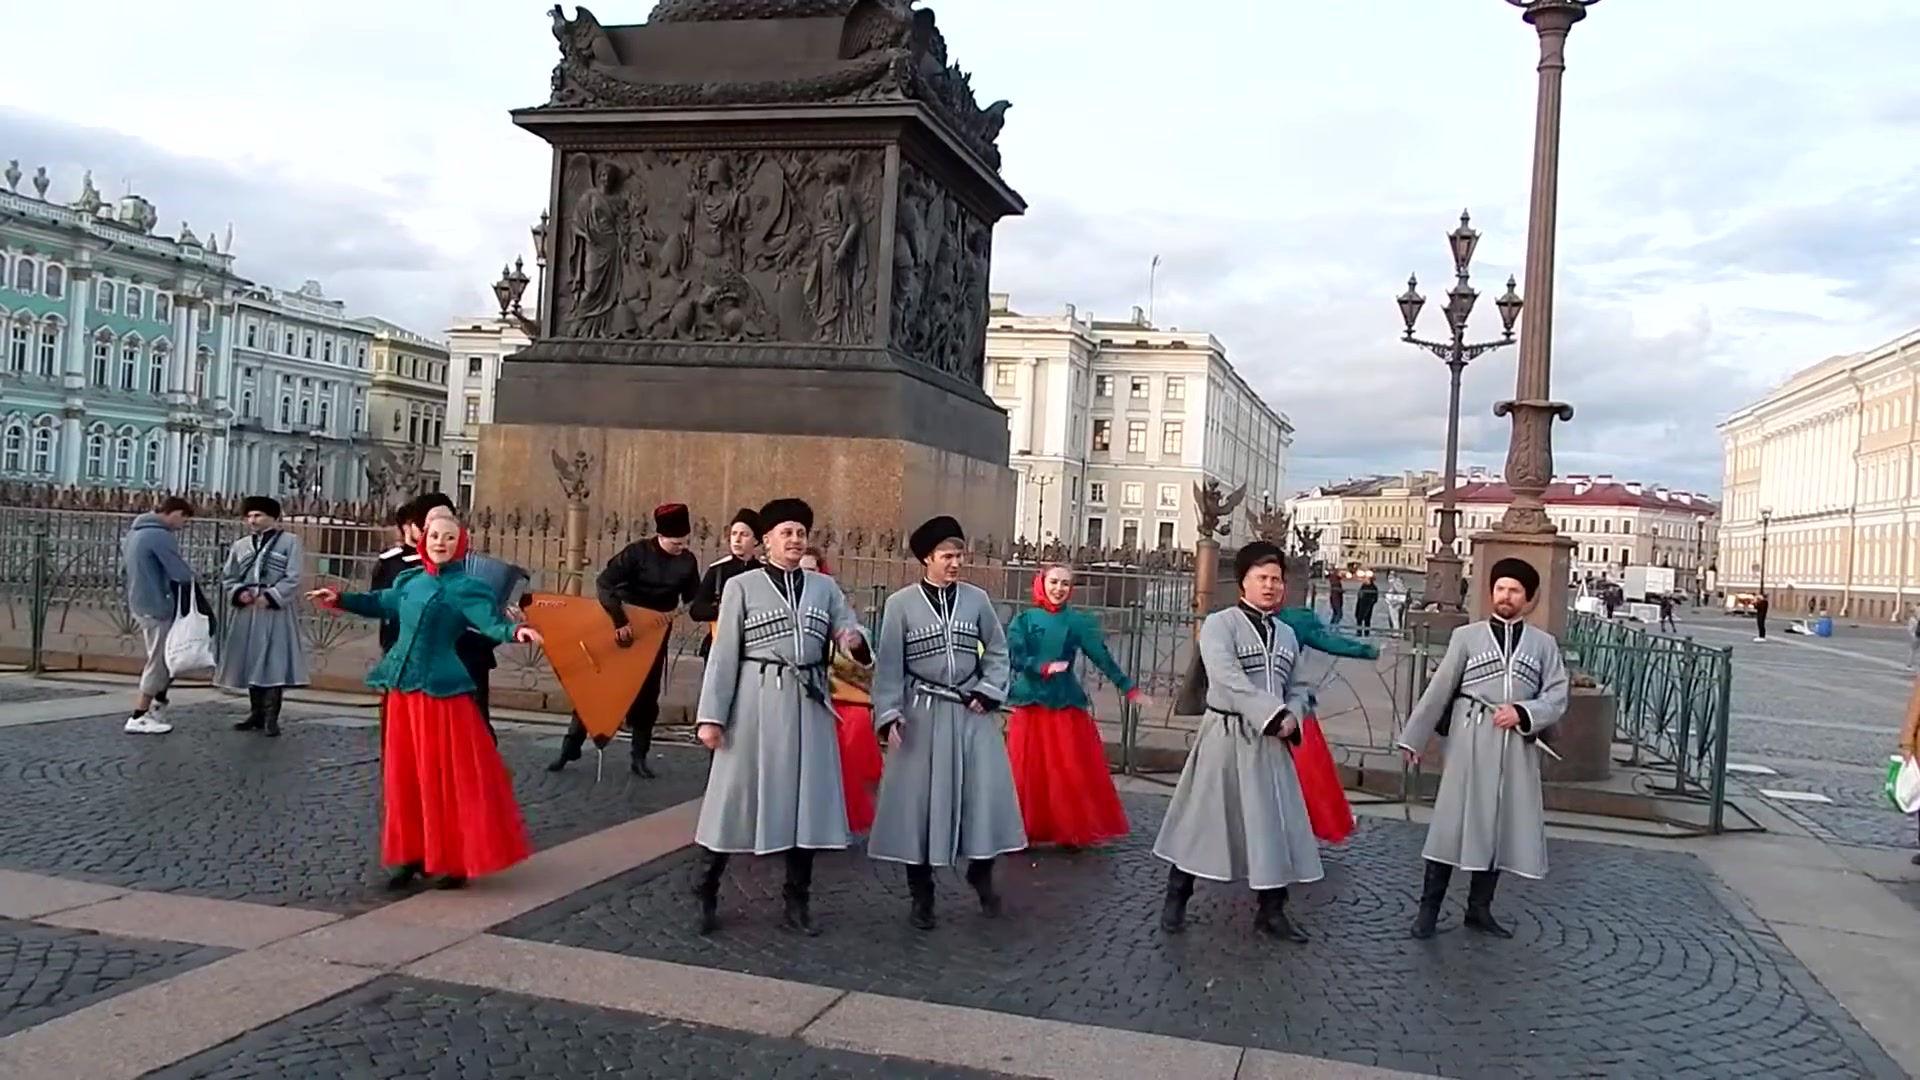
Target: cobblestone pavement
(46, 971)
(14, 692)
(399, 1027)
(1825, 714)
(1625, 963)
(295, 820)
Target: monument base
(1551, 554)
(882, 486)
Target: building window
(413, 424)
(474, 364)
(360, 359)
(14, 457)
(24, 277)
(123, 456)
(253, 334)
(359, 417)
(107, 298)
(196, 463)
(1176, 388)
(1097, 492)
(56, 282)
(1141, 387)
(1165, 539)
(130, 364)
(326, 351)
(1130, 533)
(473, 409)
(1103, 386)
(306, 347)
(43, 441)
(19, 344)
(286, 411)
(1003, 376)
(153, 457)
(1169, 497)
(50, 348)
(1136, 436)
(246, 403)
(157, 370)
(162, 307)
(273, 340)
(97, 453)
(1173, 435)
(1132, 494)
(136, 303)
(326, 414)
(103, 360)
(306, 411)
(203, 317)
(1102, 435)
(466, 463)
(202, 367)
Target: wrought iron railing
(1671, 698)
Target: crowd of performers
(796, 702)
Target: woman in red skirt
(849, 684)
(448, 801)
(1059, 761)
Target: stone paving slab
(47, 971)
(1625, 962)
(26, 692)
(211, 812)
(396, 1027)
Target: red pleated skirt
(1327, 808)
(860, 763)
(449, 804)
(1060, 773)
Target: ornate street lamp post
(1443, 566)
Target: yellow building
(406, 411)
(1379, 522)
(1820, 488)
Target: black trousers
(642, 715)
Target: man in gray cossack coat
(261, 581)
(1500, 685)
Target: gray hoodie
(154, 567)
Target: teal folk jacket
(1038, 637)
(433, 611)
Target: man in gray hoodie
(156, 574)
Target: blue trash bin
(1823, 626)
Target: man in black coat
(743, 539)
(659, 574)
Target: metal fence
(1672, 699)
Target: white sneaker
(157, 712)
(1761, 640)
(146, 725)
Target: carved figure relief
(941, 258)
(720, 246)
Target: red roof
(1567, 493)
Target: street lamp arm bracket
(1474, 352)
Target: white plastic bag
(1906, 787)
(190, 639)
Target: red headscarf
(1040, 597)
(459, 550)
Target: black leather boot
(799, 891)
(570, 745)
(270, 709)
(920, 887)
(256, 711)
(1271, 918)
(1433, 892)
(404, 876)
(1173, 913)
(980, 876)
(707, 891)
(1480, 904)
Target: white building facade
(302, 373)
(1112, 425)
(474, 350)
(1614, 524)
(113, 345)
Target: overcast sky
(1740, 181)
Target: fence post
(39, 604)
(573, 484)
(1717, 784)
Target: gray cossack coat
(263, 647)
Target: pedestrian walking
(775, 786)
(1913, 637)
(1058, 757)
(1364, 605)
(1500, 685)
(1238, 814)
(447, 801)
(1396, 601)
(1336, 596)
(1666, 614)
(940, 674)
(1760, 607)
(157, 577)
(659, 574)
(261, 580)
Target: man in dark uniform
(659, 574)
(743, 538)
